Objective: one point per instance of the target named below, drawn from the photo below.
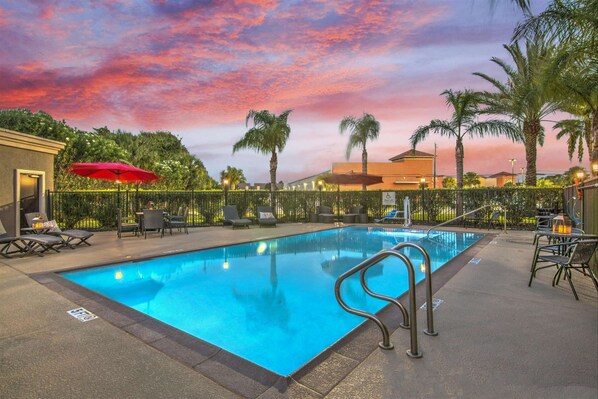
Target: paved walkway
(498, 338)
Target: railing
(96, 210)
(409, 321)
(428, 265)
(466, 214)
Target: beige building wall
(23, 154)
(401, 174)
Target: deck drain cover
(82, 314)
(435, 303)
(475, 261)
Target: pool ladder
(408, 322)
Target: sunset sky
(196, 68)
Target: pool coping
(314, 379)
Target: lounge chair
(153, 219)
(178, 221)
(74, 237)
(325, 214)
(392, 216)
(265, 216)
(27, 244)
(127, 224)
(231, 216)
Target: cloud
(199, 66)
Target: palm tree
(362, 129)
(268, 135)
(464, 123)
(528, 96)
(574, 24)
(577, 132)
(234, 176)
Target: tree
(268, 135)
(234, 176)
(577, 134)
(471, 179)
(574, 25)
(449, 182)
(361, 130)
(463, 122)
(528, 95)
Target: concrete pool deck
(497, 337)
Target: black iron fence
(96, 210)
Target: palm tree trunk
(273, 166)
(594, 143)
(364, 165)
(531, 130)
(459, 155)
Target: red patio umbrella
(114, 171)
(350, 178)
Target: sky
(195, 68)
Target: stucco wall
(16, 158)
(408, 172)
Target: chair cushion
(52, 226)
(266, 215)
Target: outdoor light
(118, 275)
(320, 184)
(422, 267)
(578, 178)
(595, 167)
(225, 265)
(512, 160)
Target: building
(500, 179)
(406, 171)
(27, 170)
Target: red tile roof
(411, 154)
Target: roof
(502, 174)
(411, 154)
(10, 138)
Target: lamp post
(512, 160)
(578, 179)
(522, 175)
(225, 188)
(320, 186)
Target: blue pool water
(270, 302)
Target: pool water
(271, 302)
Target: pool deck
(498, 338)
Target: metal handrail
(463, 215)
(363, 266)
(428, 271)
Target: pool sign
(435, 303)
(388, 198)
(82, 314)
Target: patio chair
(27, 244)
(265, 216)
(352, 214)
(325, 214)
(574, 255)
(178, 221)
(127, 224)
(231, 216)
(153, 220)
(74, 237)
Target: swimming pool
(271, 302)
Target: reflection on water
(271, 302)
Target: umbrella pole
(338, 203)
(118, 197)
